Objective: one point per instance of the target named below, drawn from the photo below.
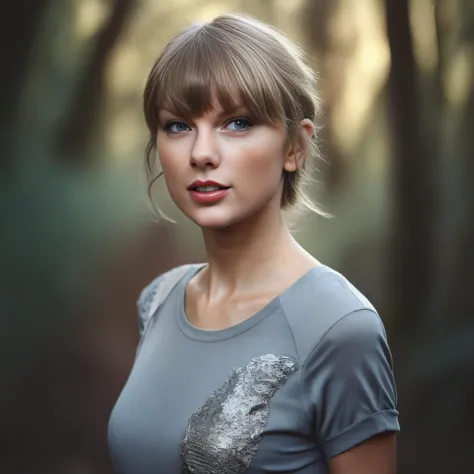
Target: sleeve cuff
(377, 423)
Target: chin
(212, 217)
(215, 222)
(223, 215)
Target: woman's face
(221, 168)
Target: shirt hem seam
(352, 425)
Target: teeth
(206, 189)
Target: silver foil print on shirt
(223, 435)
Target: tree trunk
(413, 165)
(18, 23)
(82, 123)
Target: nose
(204, 153)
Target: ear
(297, 152)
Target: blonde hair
(239, 61)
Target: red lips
(207, 197)
(198, 183)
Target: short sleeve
(349, 385)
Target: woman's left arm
(349, 385)
(377, 455)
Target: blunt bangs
(202, 66)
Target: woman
(263, 360)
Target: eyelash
(236, 119)
(168, 125)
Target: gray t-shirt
(304, 379)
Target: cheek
(263, 163)
(169, 159)
(171, 167)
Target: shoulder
(326, 306)
(149, 294)
(178, 272)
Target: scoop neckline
(215, 335)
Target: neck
(250, 252)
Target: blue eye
(238, 124)
(176, 127)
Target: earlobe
(297, 153)
(293, 158)
(291, 162)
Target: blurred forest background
(78, 240)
